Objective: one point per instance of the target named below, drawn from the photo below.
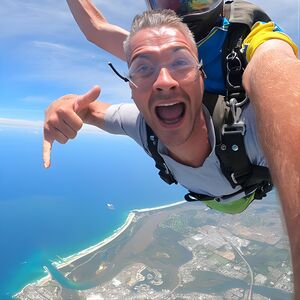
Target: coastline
(159, 207)
(70, 259)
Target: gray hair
(157, 19)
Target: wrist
(95, 114)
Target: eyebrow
(147, 55)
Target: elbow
(90, 34)
(90, 38)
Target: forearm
(272, 82)
(96, 28)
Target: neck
(196, 148)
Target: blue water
(56, 212)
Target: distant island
(182, 251)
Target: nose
(165, 81)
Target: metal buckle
(237, 126)
(166, 169)
(233, 62)
(233, 65)
(234, 128)
(233, 178)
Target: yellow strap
(262, 32)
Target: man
(167, 87)
(244, 177)
(218, 28)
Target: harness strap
(164, 172)
(234, 164)
(230, 148)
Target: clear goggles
(144, 71)
(185, 7)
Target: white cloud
(37, 126)
(20, 123)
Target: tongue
(170, 113)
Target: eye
(143, 70)
(180, 63)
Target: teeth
(168, 104)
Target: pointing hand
(64, 118)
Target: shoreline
(71, 258)
(141, 210)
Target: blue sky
(44, 55)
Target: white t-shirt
(208, 179)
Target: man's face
(170, 100)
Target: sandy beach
(70, 259)
(159, 207)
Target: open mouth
(170, 113)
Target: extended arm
(65, 117)
(272, 82)
(96, 29)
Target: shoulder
(120, 116)
(126, 119)
(262, 32)
(122, 111)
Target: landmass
(183, 251)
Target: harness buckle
(234, 128)
(233, 178)
(237, 126)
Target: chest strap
(164, 172)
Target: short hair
(157, 19)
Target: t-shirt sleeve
(124, 119)
(252, 143)
(262, 32)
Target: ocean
(48, 214)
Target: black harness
(229, 129)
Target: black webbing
(160, 164)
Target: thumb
(83, 101)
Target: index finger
(47, 146)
